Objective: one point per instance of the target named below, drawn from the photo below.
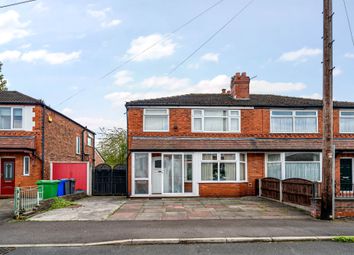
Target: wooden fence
(294, 190)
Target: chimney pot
(240, 86)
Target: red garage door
(78, 170)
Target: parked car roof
(255, 100)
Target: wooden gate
(108, 181)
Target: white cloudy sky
(54, 49)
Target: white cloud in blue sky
(53, 49)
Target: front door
(7, 177)
(156, 177)
(346, 174)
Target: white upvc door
(156, 176)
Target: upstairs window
(89, 139)
(10, 118)
(216, 120)
(156, 120)
(347, 122)
(294, 122)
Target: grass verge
(344, 239)
(60, 203)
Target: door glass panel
(9, 171)
(167, 174)
(177, 173)
(142, 187)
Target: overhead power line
(146, 49)
(348, 20)
(212, 36)
(165, 38)
(18, 3)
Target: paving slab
(6, 209)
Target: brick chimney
(240, 86)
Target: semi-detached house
(217, 145)
(34, 137)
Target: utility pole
(328, 155)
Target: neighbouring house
(217, 145)
(98, 158)
(38, 142)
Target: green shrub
(344, 239)
(60, 203)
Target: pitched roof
(227, 100)
(15, 97)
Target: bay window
(215, 120)
(221, 167)
(10, 118)
(305, 165)
(299, 121)
(347, 122)
(156, 120)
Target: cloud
(102, 16)
(165, 82)
(314, 96)
(53, 58)
(210, 57)
(40, 7)
(112, 23)
(67, 111)
(300, 55)
(11, 27)
(337, 71)
(123, 77)
(10, 55)
(158, 48)
(349, 55)
(266, 87)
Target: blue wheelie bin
(61, 187)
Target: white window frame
(89, 138)
(345, 117)
(283, 162)
(229, 117)
(168, 119)
(218, 161)
(24, 166)
(78, 145)
(12, 108)
(293, 116)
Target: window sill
(156, 131)
(222, 182)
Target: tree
(113, 145)
(3, 82)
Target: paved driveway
(6, 209)
(204, 208)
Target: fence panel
(298, 191)
(26, 199)
(270, 188)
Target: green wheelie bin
(50, 188)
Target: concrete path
(205, 209)
(6, 209)
(88, 209)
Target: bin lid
(64, 180)
(47, 182)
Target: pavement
(284, 248)
(87, 209)
(6, 209)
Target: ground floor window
(220, 167)
(305, 165)
(141, 173)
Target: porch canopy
(17, 143)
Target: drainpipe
(43, 137)
(127, 152)
(83, 144)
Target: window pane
(308, 171)
(26, 162)
(17, 119)
(197, 113)
(213, 156)
(242, 171)
(188, 168)
(306, 125)
(155, 111)
(302, 113)
(228, 157)
(347, 125)
(215, 124)
(273, 157)
(156, 123)
(234, 113)
(243, 157)
(141, 165)
(215, 113)
(349, 114)
(274, 170)
(302, 156)
(282, 125)
(209, 171)
(234, 126)
(177, 173)
(167, 173)
(5, 118)
(227, 171)
(282, 113)
(197, 125)
(141, 187)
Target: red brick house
(32, 136)
(217, 145)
